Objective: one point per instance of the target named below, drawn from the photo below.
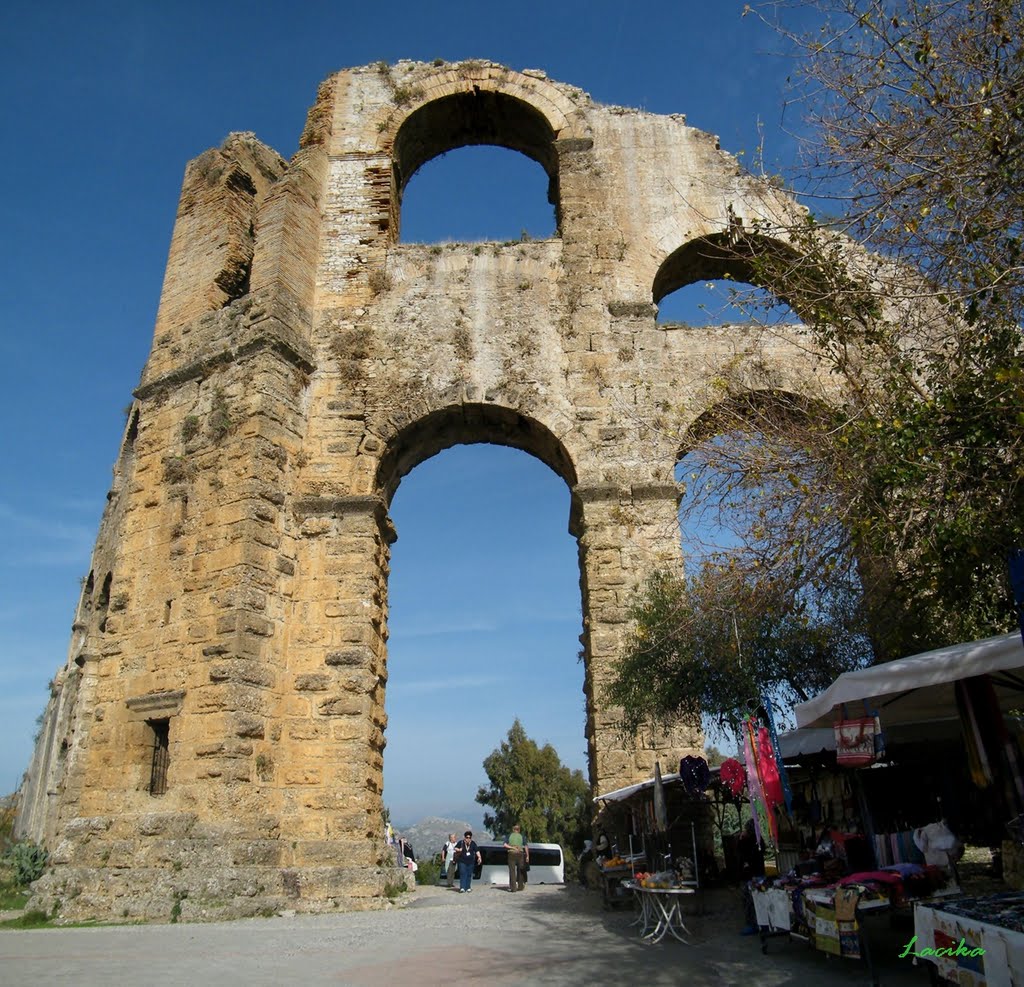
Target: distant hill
(428, 835)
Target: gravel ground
(545, 935)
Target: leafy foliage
(27, 860)
(717, 642)
(918, 109)
(918, 113)
(428, 870)
(530, 786)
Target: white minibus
(547, 865)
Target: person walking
(448, 859)
(467, 856)
(518, 858)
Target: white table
(661, 912)
(1001, 964)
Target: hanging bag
(858, 740)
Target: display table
(661, 911)
(613, 881)
(993, 924)
(828, 918)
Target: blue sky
(104, 104)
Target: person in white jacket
(448, 859)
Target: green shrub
(428, 871)
(34, 919)
(27, 860)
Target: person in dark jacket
(467, 856)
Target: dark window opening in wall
(104, 601)
(717, 281)
(133, 430)
(161, 756)
(234, 279)
(478, 193)
(503, 146)
(167, 612)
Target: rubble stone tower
(214, 744)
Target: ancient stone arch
(215, 741)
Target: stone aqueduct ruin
(229, 649)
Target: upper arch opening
(718, 257)
(464, 425)
(476, 117)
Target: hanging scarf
(771, 785)
(786, 791)
(754, 790)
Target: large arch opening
(470, 119)
(484, 608)
(768, 546)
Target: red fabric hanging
(733, 776)
(770, 780)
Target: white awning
(920, 688)
(624, 793)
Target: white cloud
(46, 539)
(422, 628)
(446, 681)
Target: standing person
(518, 858)
(448, 859)
(467, 856)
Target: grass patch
(12, 897)
(35, 919)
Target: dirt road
(545, 935)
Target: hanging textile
(977, 756)
(733, 776)
(753, 782)
(771, 785)
(786, 791)
(856, 743)
(695, 775)
(992, 750)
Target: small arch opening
(477, 193)
(722, 280)
(470, 119)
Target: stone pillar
(625, 532)
(333, 720)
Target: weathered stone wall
(304, 360)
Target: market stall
(943, 725)
(659, 826)
(976, 941)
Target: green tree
(916, 136)
(717, 643)
(530, 786)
